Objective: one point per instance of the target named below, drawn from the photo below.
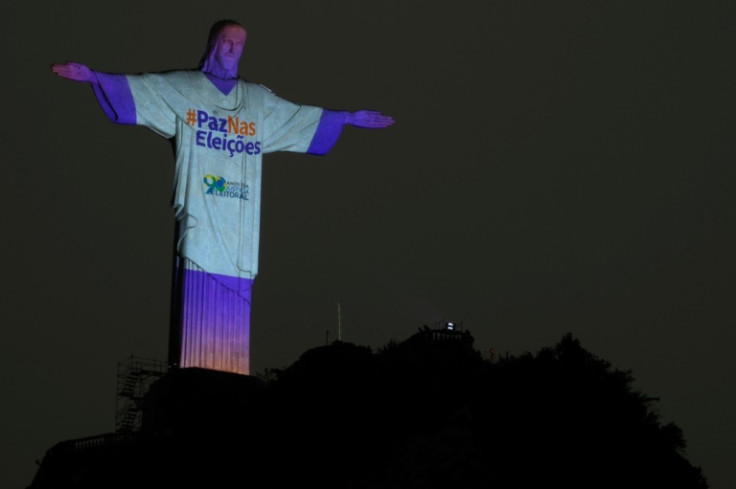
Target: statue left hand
(368, 119)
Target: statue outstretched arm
(112, 90)
(116, 100)
(332, 122)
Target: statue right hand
(73, 71)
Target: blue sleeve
(328, 131)
(114, 96)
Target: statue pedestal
(198, 399)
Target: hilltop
(426, 412)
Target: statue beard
(212, 67)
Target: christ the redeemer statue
(221, 126)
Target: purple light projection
(221, 126)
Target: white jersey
(219, 141)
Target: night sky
(555, 166)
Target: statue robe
(220, 132)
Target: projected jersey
(220, 134)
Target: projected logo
(220, 187)
(226, 135)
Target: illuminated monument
(221, 126)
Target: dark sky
(556, 166)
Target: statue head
(224, 47)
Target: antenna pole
(339, 323)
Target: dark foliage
(428, 412)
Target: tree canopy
(428, 412)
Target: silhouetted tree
(428, 412)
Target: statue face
(230, 43)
